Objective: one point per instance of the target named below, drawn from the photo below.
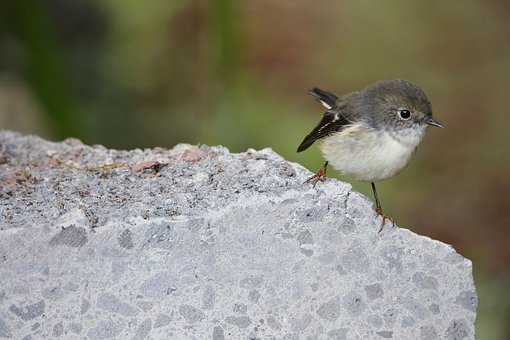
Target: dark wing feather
(330, 123)
(327, 99)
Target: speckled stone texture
(198, 243)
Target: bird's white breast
(367, 154)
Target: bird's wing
(331, 122)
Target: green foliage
(45, 66)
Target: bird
(370, 134)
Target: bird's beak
(431, 121)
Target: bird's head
(399, 107)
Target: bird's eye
(404, 114)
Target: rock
(212, 245)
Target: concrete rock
(199, 243)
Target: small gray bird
(371, 134)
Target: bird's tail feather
(327, 99)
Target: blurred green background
(130, 73)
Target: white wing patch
(322, 127)
(326, 105)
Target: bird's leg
(378, 208)
(319, 175)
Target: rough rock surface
(199, 243)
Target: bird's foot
(384, 218)
(319, 176)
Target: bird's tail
(327, 99)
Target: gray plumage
(371, 134)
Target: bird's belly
(366, 155)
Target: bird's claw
(319, 176)
(384, 218)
